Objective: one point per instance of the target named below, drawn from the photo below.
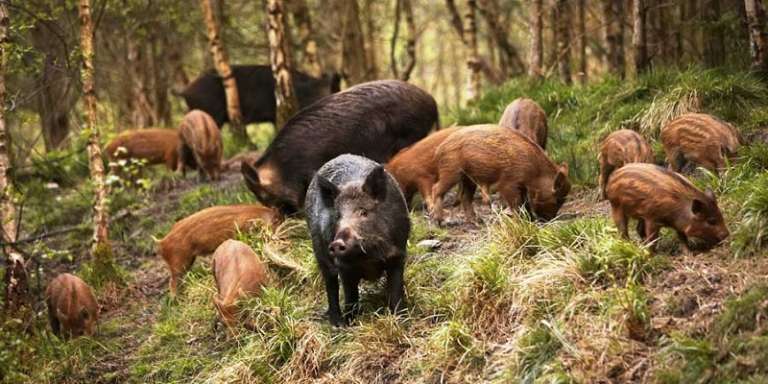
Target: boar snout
(345, 242)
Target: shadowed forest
(394, 191)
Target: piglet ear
(709, 194)
(376, 183)
(698, 207)
(328, 191)
(564, 168)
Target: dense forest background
(506, 300)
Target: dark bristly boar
(200, 144)
(699, 139)
(72, 308)
(527, 117)
(239, 273)
(375, 119)
(489, 155)
(658, 198)
(619, 148)
(201, 232)
(415, 168)
(155, 145)
(256, 88)
(359, 224)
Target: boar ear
(698, 207)
(376, 183)
(328, 191)
(564, 168)
(709, 194)
(251, 176)
(561, 179)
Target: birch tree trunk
(639, 36)
(537, 47)
(221, 62)
(562, 19)
(303, 21)
(473, 55)
(285, 97)
(354, 60)
(101, 249)
(758, 41)
(581, 38)
(16, 286)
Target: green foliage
(579, 116)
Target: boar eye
(362, 212)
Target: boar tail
(155, 239)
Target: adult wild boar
(256, 89)
(200, 144)
(699, 139)
(658, 197)
(72, 308)
(155, 145)
(239, 273)
(375, 119)
(527, 117)
(359, 224)
(489, 155)
(202, 232)
(621, 147)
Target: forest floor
(502, 300)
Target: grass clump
(736, 350)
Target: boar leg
(55, 325)
(605, 172)
(425, 190)
(445, 182)
(641, 229)
(468, 188)
(684, 240)
(620, 219)
(395, 290)
(512, 194)
(351, 296)
(332, 291)
(651, 233)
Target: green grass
(512, 301)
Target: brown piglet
(72, 308)
(619, 148)
(239, 273)
(415, 169)
(155, 145)
(200, 144)
(527, 117)
(488, 156)
(658, 197)
(699, 139)
(201, 232)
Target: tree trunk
(371, 48)
(639, 43)
(561, 20)
(758, 40)
(354, 60)
(473, 55)
(489, 10)
(403, 6)
(537, 47)
(56, 94)
(581, 31)
(159, 47)
(303, 21)
(102, 250)
(613, 35)
(221, 62)
(287, 105)
(16, 283)
(714, 36)
(141, 110)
